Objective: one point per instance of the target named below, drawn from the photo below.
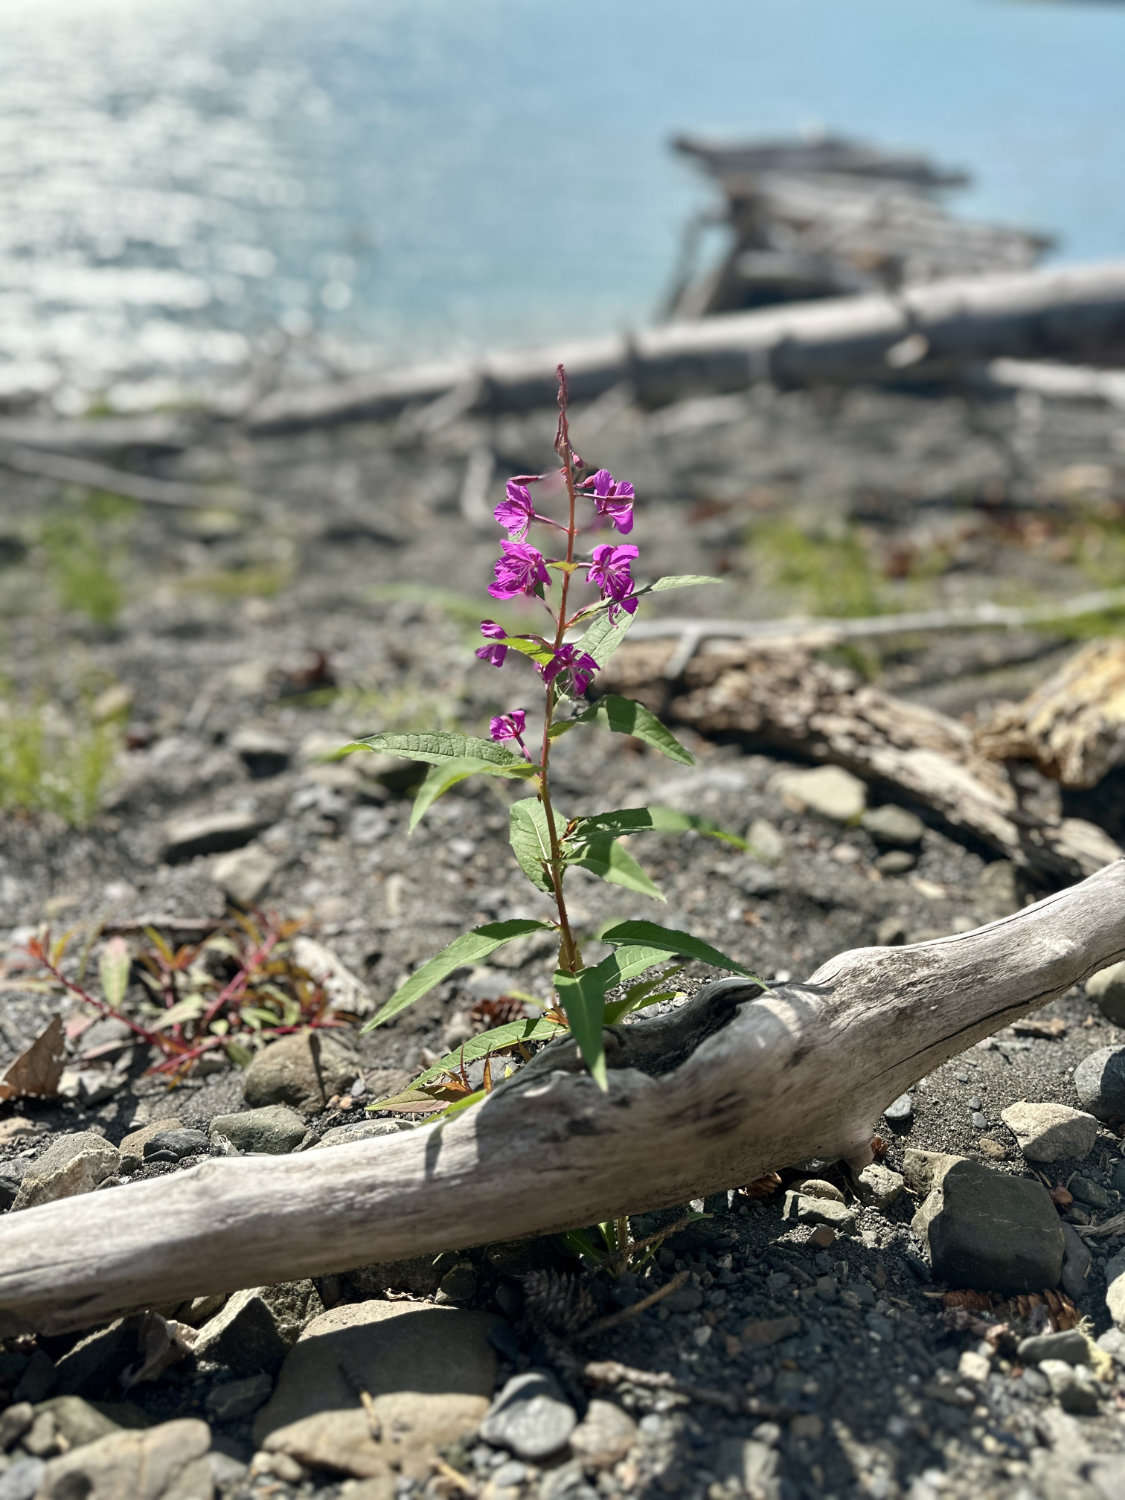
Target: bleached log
(96, 476)
(781, 697)
(732, 1085)
(1073, 312)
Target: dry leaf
(35, 1073)
(762, 1187)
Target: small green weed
(49, 766)
(86, 549)
(833, 573)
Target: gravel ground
(802, 1359)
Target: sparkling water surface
(410, 178)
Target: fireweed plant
(545, 843)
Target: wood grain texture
(782, 698)
(734, 1084)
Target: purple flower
(612, 500)
(609, 569)
(508, 726)
(516, 513)
(520, 571)
(494, 653)
(569, 659)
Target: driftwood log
(782, 698)
(1072, 313)
(735, 1083)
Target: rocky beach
(808, 1334)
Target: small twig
(623, 1315)
(1116, 1225)
(613, 1372)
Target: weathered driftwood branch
(782, 698)
(1075, 313)
(732, 1085)
(96, 476)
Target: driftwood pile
(831, 217)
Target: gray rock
(817, 1187)
(133, 1145)
(766, 843)
(235, 1399)
(215, 833)
(895, 861)
(1107, 989)
(66, 1422)
(807, 1210)
(262, 753)
(303, 1070)
(1099, 1081)
(1071, 1385)
(178, 1141)
(72, 1164)
(751, 1464)
(271, 1131)
(359, 1130)
(347, 992)
(1071, 1346)
(459, 1284)
(1050, 1132)
(990, 1232)
(1115, 1288)
(1087, 1191)
(168, 1462)
(530, 1417)
(98, 1359)
(925, 1170)
(21, 1480)
(245, 1335)
(243, 875)
(893, 826)
(879, 1187)
(604, 1435)
(828, 790)
(1112, 1342)
(14, 1422)
(1077, 1261)
(430, 1372)
(900, 1111)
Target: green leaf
(618, 1009)
(659, 819)
(647, 992)
(531, 841)
(440, 779)
(604, 636)
(606, 858)
(624, 716)
(627, 962)
(113, 971)
(459, 1105)
(677, 581)
(491, 1041)
(535, 649)
(667, 938)
(439, 748)
(469, 948)
(582, 997)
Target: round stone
(1107, 989)
(1099, 1081)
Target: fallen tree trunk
(734, 1084)
(782, 698)
(1074, 313)
(96, 476)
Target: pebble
(1070, 1346)
(176, 1142)
(244, 875)
(531, 1417)
(602, 1438)
(244, 1335)
(879, 1186)
(766, 843)
(991, 1232)
(1107, 989)
(1087, 1191)
(1051, 1132)
(816, 1187)
(1077, 1261)
(72, 1164)
(262, 753)
(270, 1131)
(895, 861)
(167, 1462)
(1099, 1081)
(829, 791)
(215, 833)
(21, 1480)
(819, 1211)
(900, 1111)
(235, 1399)
(1071, 1385)
(893, 826)
(1000, 889)
(925, 1170)
(1115, 1288)
(303, 1070)
(133, 1145)
(359, 1130)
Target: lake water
(405, 178)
